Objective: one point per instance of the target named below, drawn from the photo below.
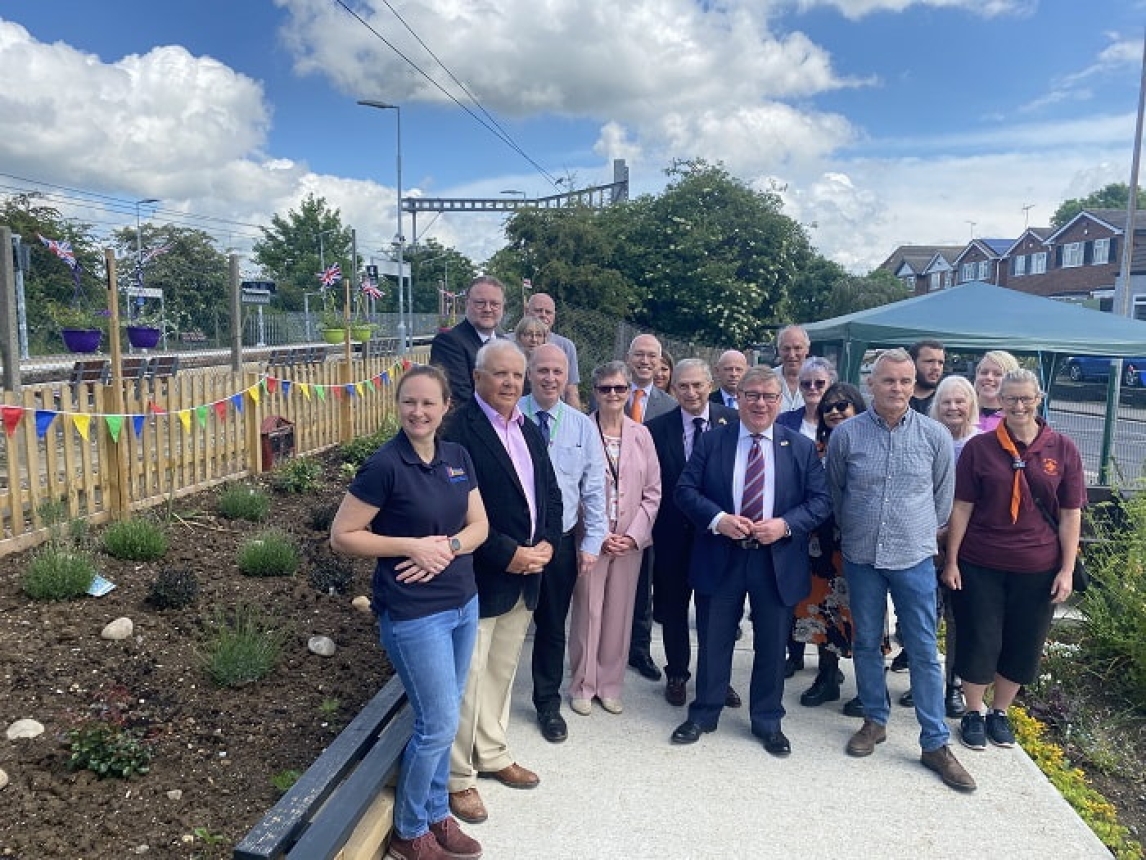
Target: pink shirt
(509, 432)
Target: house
(983, 260)
(914, 266)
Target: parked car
(1083, 367)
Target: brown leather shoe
(467, 806)
(863, 742)
(457, 844)
(944, 763)
(514, 776)
(425, 847)
(675, 691)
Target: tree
(812, 288)
(851, 293)
(433, 266)
(1116, 195)
(297, 246)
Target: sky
(879, 122)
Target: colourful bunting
(201, 414)
(254, 392)
(320, 390)
(114, 426)
(82, 423)
(270, 383)
(237, 402)
(305, 388)
(12, 416)
(285, 385)
(185, 419)
(137, 424)
(220, 410)
(44, 418)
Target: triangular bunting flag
(82, 422)
(320, 390)
(185, 419)
(114, 425)
(237, 401)
(158, 410)
(305, 389)
(385, 376)
(351, 389)
(359, 388)
(201, 414)
(137, 424)
(255, 393)
(44, 418)
(285, 385)
(406, 364)
(270, 382)
(12, 416)
(339, 392)
(220, 410)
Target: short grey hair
(688, 364)
(822, 365)
(899, 355)
(1022, 376)
(796, 329)
(611, 368)
(759, 373)
(494, 346)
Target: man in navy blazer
(455, 349)
(752, 544)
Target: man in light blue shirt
(575, 452)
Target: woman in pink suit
(601, 619)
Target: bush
(331, 575)
(58, 573)
(321, 516)
(108, 750)
(241, 502)
(357, 451)
(174, 588)
(270, 553)
(135, 539)
(300, 475)
(244, 647)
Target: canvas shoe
(973, 731)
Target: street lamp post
(139, 241)
(403, 344)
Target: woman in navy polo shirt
(415, 507)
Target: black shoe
(675, 691)
(644, 664)
(776, 744)
(732, 699)
(553, 727)
(901, 662)
(822, 690)
(907, 700)
(793, 665)
(688, 732)
(955, 704)
(739, 633)
(854, 708)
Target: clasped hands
(739, 528)
(429, 556)
(529, 560)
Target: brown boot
(467, 806)
(944, 763)
(863, 742)
(456, 843)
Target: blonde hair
(971, 424)
(1007, 362)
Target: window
(1020, 266)
(966, 273)
(949, 278)
(1072, 254)
(984, 269)
(935, 281)
(1039, 263)
(1101, 252)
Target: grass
(270, 553)
(244, 647)
(135, 539)
(242, 502)
(58, 573)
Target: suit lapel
(484, 432)
(782, 457)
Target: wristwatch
(787, 529)
(455, 545)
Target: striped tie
(752, 502)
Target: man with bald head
(792, 348)
(729, 368)
(542, 307)
(579, 463)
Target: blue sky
(882, 121)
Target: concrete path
(618, 789)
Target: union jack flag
(155, 252)
(331, 276)
(526, 284)
(369, 289)
(63, 250)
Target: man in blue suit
(754, 492)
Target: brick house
(922, 268)
(983, 260)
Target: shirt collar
(409, 456)
(495, 417)
(746, 433)
(688, 418)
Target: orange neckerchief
(1008, 445)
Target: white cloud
(855, 9)
(1121, 52)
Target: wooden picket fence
(175, 436)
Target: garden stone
(25, 729)
(121, 628)
(323, 646)
(361, 603)
(3, 779)
(175, 794)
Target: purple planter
(143, 337)
(81, 339)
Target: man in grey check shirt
(579, 463)
(892, 479)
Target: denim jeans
(913, 594)
(432, 658)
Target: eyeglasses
(813, 383)
(482, 304)
(755, 396)
(839, 406)
(612, 389)
(1015, 401)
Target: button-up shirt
(744, 444)
(509, 432)
(789, 398)
(580, 467)
(891, 487)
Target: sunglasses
(813, 383)
(612, 389)
(839, 406)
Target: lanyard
(614, 465)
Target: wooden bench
(289, 356)
(318, 816)
(134, 368)
(380, 346)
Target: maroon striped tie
(752, 502)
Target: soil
(215, 750)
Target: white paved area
(618, 789)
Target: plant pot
(334, 335)
(81, 339)
(143, 337)
(361, 332)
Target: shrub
(244, 647)
(284, 780)
(173, 588)
(58, 573)
(242, 502)
(321, 516)
(270, 553)
(300, 475)
(358, 450)
(135, 539)
(331, 575)
(108, 750)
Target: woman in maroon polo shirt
(1006, 564)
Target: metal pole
(21, 303)
(403, 330)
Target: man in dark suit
(646, 402)
(675, 434)
(754, 492)
(524, 508)
(455, 349)
(729, 368)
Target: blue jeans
(432, 658)
(913, 593)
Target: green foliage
(433, 266)
(108, 749)
(297, 475)
(139, 539)
(243, 502)
(358, 450)
(1116, 195)
(244, 647)
(1114, 607)
(284, 780)
(58, 572)
(329, 708)
(270, 553)
(173, 588)
(204, 834)
(851, 294)
(77, 316)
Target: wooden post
(9, 335)
(113, 453)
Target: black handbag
(1080, 580)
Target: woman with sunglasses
(823, 618)
(601, 616)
